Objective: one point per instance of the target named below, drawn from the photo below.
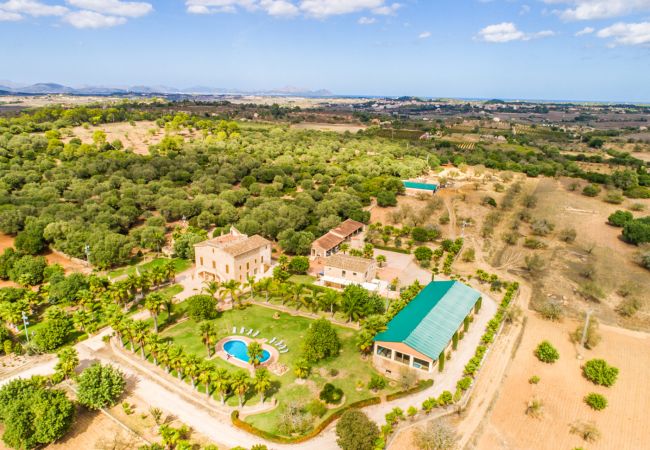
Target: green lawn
(179, 263)
(291, 329)
(302, 279)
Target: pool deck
(221, 353)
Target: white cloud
(32, 8)
(310, 8)
(91, 19)
(599, 9)
(424, 35)
(366, 20)
(627, 33)
(525, 9)
(279, 8)
(6, 16)
(584, 31)
(507, 32)
(114, 7)
(219, 6)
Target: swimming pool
(238, 349)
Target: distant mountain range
(9, 88)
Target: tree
(620, 218)
(154, 303)
(591, 190)
(201, 307)
(423, 255)
(240, 385)
(435, 435)
(296, 242)
(100, 386)
(221, 380)
(386, 198)
(28, 270)
(596, 401)
(329, 301)
(545, 352)
(53, 334)
(355, 301)
(255, 353)
(321, 341)
(299, 265)
(356, 432)
(637, 231)
(302, 368)
(262, 382)
(624, 179)
(381, 260)
(68, 362)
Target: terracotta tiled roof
(347, 227)
(348, 262)
(236, 245)
(328, 241)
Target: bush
(321, 341)
(53, 334)
(421, 385)
(534, 379)
(376, 382)
(464, 383)
(202, 307)
(331, 394)
(551, 310)
(299, 265)
(599, 372)
(567, 235)
(316, 408)
(545, 352)
(620, 218)
(100, 386)
(637, 231)
(596, 401)
(591, 190)
(356, 432)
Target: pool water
(238, 349)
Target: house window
(227, 268)
(214, 264)
(383, 351)
(201, 260)
(248, 266)
(420, 364)
(402, 358)
(343, 272)
(262, 260)
(354, 273)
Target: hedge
(422, 385)
(393, 249)
(234, 416)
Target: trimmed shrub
(599, 372)
(331, 394)
(596, 401)
(545, 352)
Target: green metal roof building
(420, 186)
(421, 331)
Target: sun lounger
(241, 331)
(249, 332)
(284, 351)
(282, 348)
(234, 330)
(279, 344)
(256, 333)
(272, 340)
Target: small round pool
(238, 349)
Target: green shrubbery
(599, 372)
(596, 401)
(545, 352)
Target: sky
(517, 49)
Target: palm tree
(265, 285)
(297, 292)
(251, 284)
(177, 361)
(81, 319)
(68, 361)
(165, 355)
(207, 334)
(158, 276)
(381, 260)
(169, 269)
(205, 375)
(128, 332)
(211, 287)
(145, 282)
(132, 282)
(262, 382)
(240, 385)
(255, 353)
(220, 379)
(153, 345)
(32, 299)
(192, 368)
(344, 248)
(11, 313)
(301, 368)
(353, 306)
(231, 287)
(140, 332)
(153, 303)
(282, 291)
(329, 301)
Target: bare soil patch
(336, 127)
(562, 389)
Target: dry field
(51, 257)
(336, 127)
(622, 424)
(135, 137)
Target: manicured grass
(350, 366)
(179, 263)
(302, 279)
